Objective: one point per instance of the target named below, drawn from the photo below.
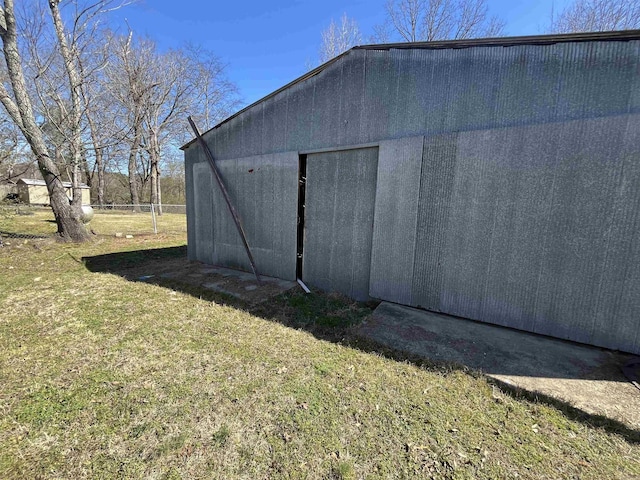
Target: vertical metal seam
(412, 278)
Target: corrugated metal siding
(538, 229)
(264, 191)
(203, 233)
(528, 208)
(436, 188)
(370, 96)
(340, 199)
(190, 160)
(395, 224)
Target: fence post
(153, 219)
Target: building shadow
(328, 317)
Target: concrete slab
(235, 283)
(587, 378)
(243, 285)
(247, 277)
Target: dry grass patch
(107, 378)
(30, 221)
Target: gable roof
(622, 35)
(42, 183)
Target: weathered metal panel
(190, 156)
(619, 286)
(264, 191)
(297, 119)
(340, 198)
(395, 219)
(537, 231)
(434, 206)
(273, 135)
(598, 161)
(203, 185)
(325, 111)
(380, 95)
(351, 97)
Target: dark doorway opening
(302, 182)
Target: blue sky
(266, 44)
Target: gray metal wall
(340, 200)
(531, 227)
(507, 184)
(369, 95)
(264, 191)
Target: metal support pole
(227, 199)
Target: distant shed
(34, 192)
(496, 180)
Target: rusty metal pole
(225, 194)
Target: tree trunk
(68, 217)
(75, 92)
(100, 169)
(133, 185)
(70, 226)
(153, 177)
(88, 174)
(155, 187)
(154, 160)
(159, 196)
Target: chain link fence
(25, 222)
(139, 219)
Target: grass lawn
(102, 377)
(39, 221)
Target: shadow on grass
(123, 262)
(328, 317)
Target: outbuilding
(34, 192)
(496, 180)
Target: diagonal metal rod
(225, 194)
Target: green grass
(40, 221)
(101, 377)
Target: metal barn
(496, 180)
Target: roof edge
(547, 39)
(42, 183)
(309, 74)
(618, 35)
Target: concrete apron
(585, 377)
(243, 285)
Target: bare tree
(214, 96)
(76, 113)
(429, 20)
(99, 111)
(130, 88)
(185, 81)
(596, 16)
(18, 105)
(9, 149)
(69, 51)
(92, 96)
(156, 91)
(168, 100)
(339, 37)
